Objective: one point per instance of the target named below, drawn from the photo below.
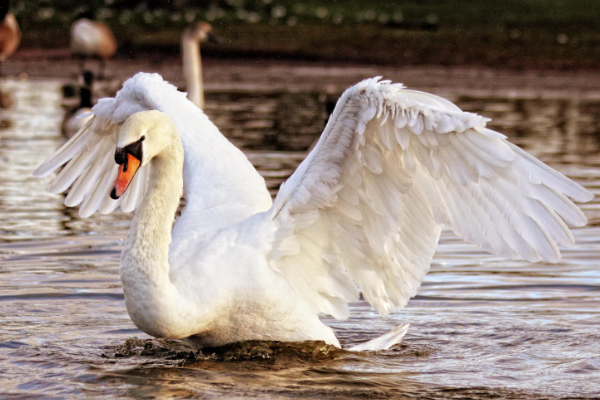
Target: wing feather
(88, 157)
(392, 167)
(73, 147)
(96, 200)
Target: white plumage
(365, 209)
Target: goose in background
(10, 35)
(191, 39)
(364, 209)
(91, 39)
(77, 117)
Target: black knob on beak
(120, 156)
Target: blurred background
(507, 34)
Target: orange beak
(126, 173)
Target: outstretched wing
(90, 168)
(392, 168)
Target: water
(481, 326)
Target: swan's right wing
(392, 167)
(89, 164)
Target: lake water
(481, 326)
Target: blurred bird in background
(76, 118)
(10, 35)
(91, 39)
(191, 39)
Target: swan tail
(384, 341)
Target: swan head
(201, 32)
(143, 136)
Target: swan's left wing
(393, 167)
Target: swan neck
(150, 296)
(192, 69)
(147, 246)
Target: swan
(92, 39)
(76, 118)
(10, 35)
(191, 39)
(364, 209)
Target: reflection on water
(481, 326)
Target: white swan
(191, 39)
(365, 208)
